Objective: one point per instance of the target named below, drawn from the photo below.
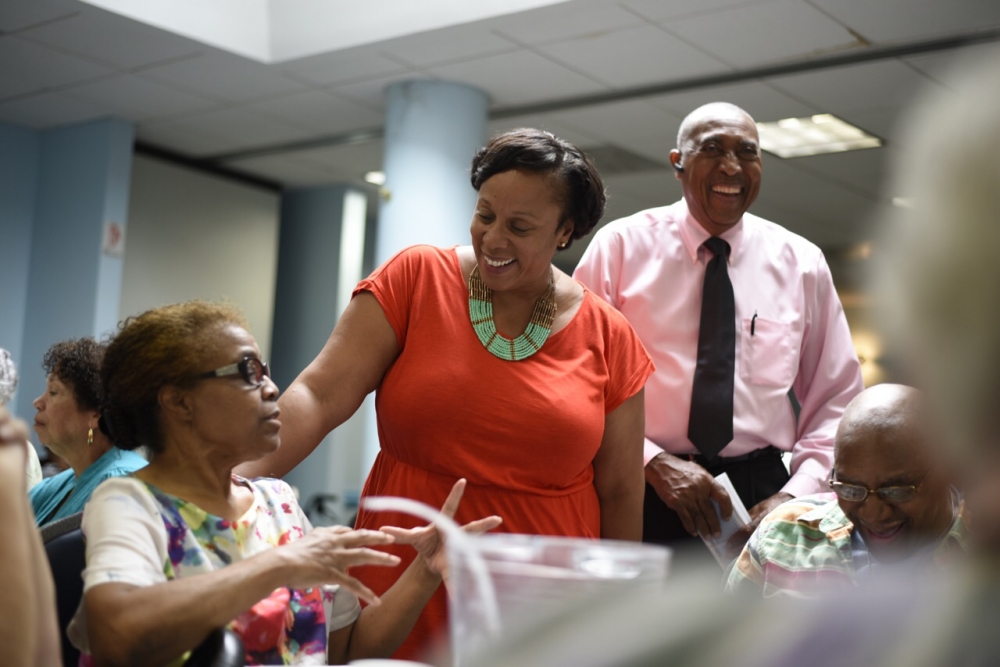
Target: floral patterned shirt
(139, 535)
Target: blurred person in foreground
(183, 546)
(66, 421)
(892, 505)
(490, 363)
(8, 384)
(938, 290)
(737, 312)
(29, 632)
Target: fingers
(358, 588)
(12, 431)
(348, 538)
(725, 502)
(482, 525)
(402, 535)
(454, 498)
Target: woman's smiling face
(516, 230)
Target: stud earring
(90, 437)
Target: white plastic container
(500, 582)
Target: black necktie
(710, 426)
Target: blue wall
(19, 155)
(63, 286)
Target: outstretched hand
(325, 554)
(429, 541)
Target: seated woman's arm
(350, 366)
(29, 630)
(618, 473)
(135, 616)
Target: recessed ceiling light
(822, 133)
(375, 177)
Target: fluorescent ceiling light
(375, 177)
(822, 133)
(902, 202)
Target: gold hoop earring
(90, 437)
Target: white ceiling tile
(760, 100)
(634, 57)
(364, 62)
(564, 21)
(371, 92)
(221, 131)
(840, 91)
(113, 39)
(351, 160)
(48, 110)
(864, 170)
(653, 188)
(26, 67)
(634, 124)
(474, 40)
(661, 10)
(320, 111)
(547, 123)
(774, 31)
(285, 170)
(138, 99)
(518, 78)
(887, 21)
(941, 64)
(20, 14)
(226, 77)
(816, 198)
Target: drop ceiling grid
(26, 67)
(518, 78)
(879, 21)
(113, 40)
(138, 99)
(748, 36)
(17, 15)
(634, 57)
(635, 125)
(320, 112)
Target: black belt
(720, 461)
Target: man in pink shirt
(775, 319)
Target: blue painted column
(433, 128)
(73, 288)
(321, 254)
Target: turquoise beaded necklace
(510, 349)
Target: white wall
(192, 235)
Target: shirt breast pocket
(766, 354)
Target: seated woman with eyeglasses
(184, 546)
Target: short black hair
(77, 364)
(528, 149)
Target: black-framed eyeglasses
(252, 369)
(854, 493)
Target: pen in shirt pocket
(753, 322)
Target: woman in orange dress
(491, 364)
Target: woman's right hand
(325, 555)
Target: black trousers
(755, 477)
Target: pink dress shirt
(651, 266)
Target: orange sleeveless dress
(524, 434)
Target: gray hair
(8, 377)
